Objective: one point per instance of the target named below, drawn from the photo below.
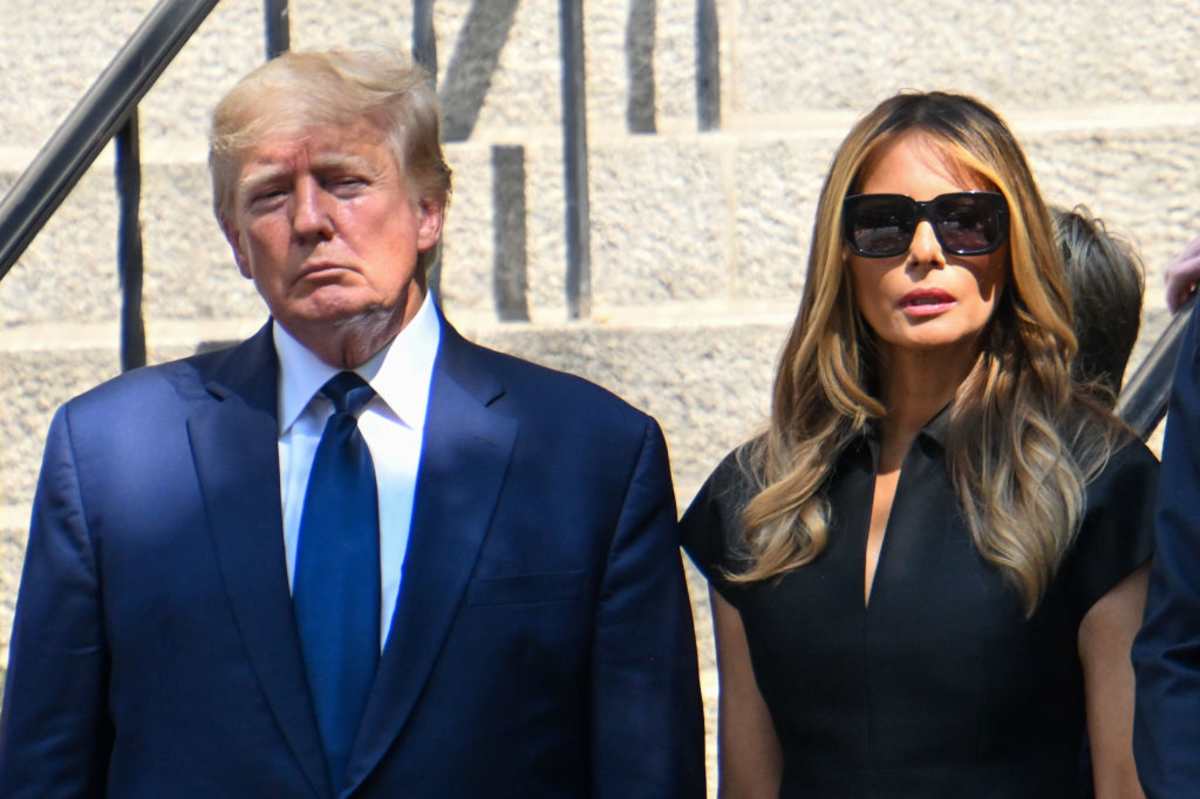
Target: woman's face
(925, 299)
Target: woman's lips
(926, 302)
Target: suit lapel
(234, 436)
(464, 458)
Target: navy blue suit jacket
(541, 646)
(1166, 653)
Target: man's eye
(266, 196)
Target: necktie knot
(348, 392)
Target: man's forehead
(316, 145)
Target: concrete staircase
(698, 239)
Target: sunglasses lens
(969, 223)
(880, 226)
(966, 223)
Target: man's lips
(319, 269)
(926, 302)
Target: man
(1166, 654)
(213, 606)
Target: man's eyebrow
(267, 172)
(257, 177)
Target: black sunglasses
(965, 222)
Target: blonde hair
(1021, 442)
(335, 88)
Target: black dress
(940, 687)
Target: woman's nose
(925, 248)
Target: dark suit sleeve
(55, 735)
(647, 724)
(1167, 651)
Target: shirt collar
(400, 373)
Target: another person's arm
(1182, 275)
(1167, 651)
(1105, 638)
(750, 758)
(647, 722)
(55, 734)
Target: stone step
(706, 379)
(675, 219)
(707, 383)
(499, 64)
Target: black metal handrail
(1144, 398)
(102, 111)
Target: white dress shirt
(392, 424)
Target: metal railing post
(424, 51)
(424, 39)
(278, 27)
(708, 65)
(575, 161)
(639, 62)
(130, 265)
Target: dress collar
(936, 429)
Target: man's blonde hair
(336, 88)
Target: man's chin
(362, 319)
(341, 315)
(333, 308)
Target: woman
(930, 567)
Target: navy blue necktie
(335, 590)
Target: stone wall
(698, 238)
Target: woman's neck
(916, 385)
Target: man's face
(323, 222)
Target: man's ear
(430, 215)
(235, 243)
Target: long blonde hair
(1022, 443)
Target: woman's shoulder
(711, 529)
(733, 482)
(1116, 534)
(1109, 455)
(1130, 465)
(738, 474)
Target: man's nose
(310, 210)
(925, 248)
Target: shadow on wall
(468, 78)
